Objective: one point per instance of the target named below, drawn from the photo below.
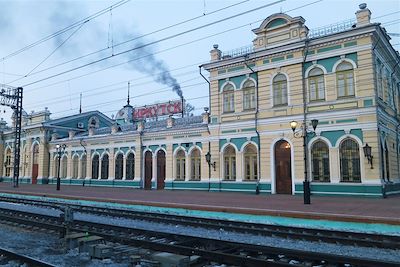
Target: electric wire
(152, 43)
(136, 38)
(68, 28)
(180, 45)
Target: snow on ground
(51, 246)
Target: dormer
(279, 29)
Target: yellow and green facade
(347, 78)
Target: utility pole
(12, 97)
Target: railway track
(7, 255)
(297, 233)
(235, 253)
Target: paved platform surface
(350, 209)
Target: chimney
(54, 136)
(206, 116)
(363, 15)
(71, 134)
(170, 122)
(91, 131)
(140, 126)
(114, 128)
(215, 53)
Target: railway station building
(325, 101)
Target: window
(119, 165)
(83, 166)
(320, 162)
(280, 90)
(229, 163)
(64, 166)
(345, 79)
(95, 167)
(75, 163)
(130, 166)
(180, 165)
(8, 164)
(228, 98)
(316, 84)
(104, 167)
(250, 163)
(195, 165)
(249, 95)
(349, 161)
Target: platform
(337, 209)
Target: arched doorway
(160, 169)
(148, 169)
(35, 163)
(283, 172)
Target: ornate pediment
(279, 29)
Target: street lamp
(208, 159)
(302, 133)
(367, 154)
(60, 150)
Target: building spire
(80, 104)
(129, 87)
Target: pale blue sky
(25, 22)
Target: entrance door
(148, 169)
(35, 164)
(160, 169)
(283, 172)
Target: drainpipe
(377, 123)
(395, 111)
(142, 163)
(208, 129)
(257, 132)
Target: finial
(80, 103)
(129, 85)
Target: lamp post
(302, 133)
(367, 154)
(208, 159)
(59, 150)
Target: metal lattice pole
(17, 143)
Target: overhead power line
(154, 42)
(68, 28)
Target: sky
(155, 46)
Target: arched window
(320, 162)
(345, 79)
(83, 166)
(8, 164)
(119, 165)
(316, 84)
(64, 166)
(250, 163)
(180, 165)
(280, 90)
(229, 163)
(130, 166)
(75, 162)
(95, 167)
(228, 98)
(195, 165)
(104, 167)
(249, 95)
(350, 161)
